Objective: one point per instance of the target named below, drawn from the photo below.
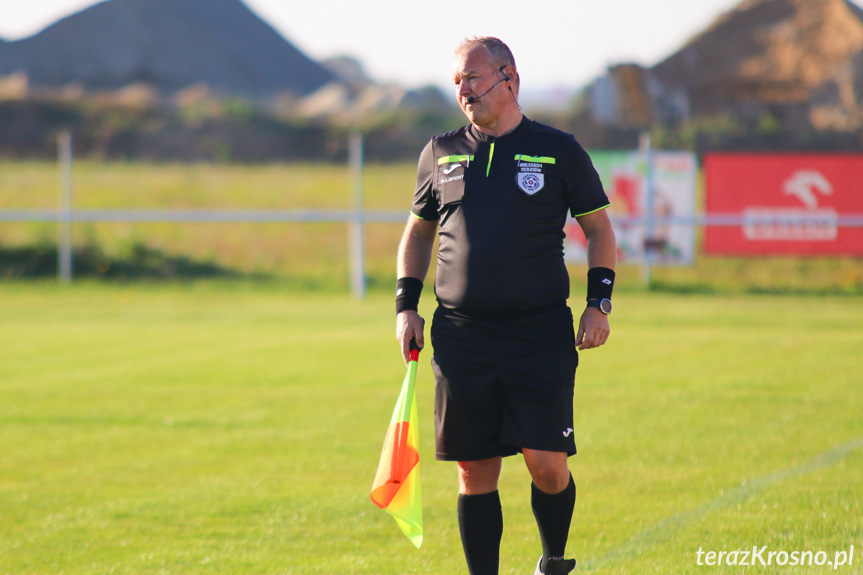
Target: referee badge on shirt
(530, 183)
(530, 177)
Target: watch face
(605, 306)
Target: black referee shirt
(502, 205)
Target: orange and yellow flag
(396, 488)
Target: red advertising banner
(791, 204)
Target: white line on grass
(665, 529)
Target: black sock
(480, 521)
(553, 516)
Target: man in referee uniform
(505, 350)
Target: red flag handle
(415, 350)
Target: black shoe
(555, 566)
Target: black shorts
(502, 385)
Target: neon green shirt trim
(454, 159)
(490, 156)
(535, 159)
(592, 211)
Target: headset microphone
(473, 99)
(505, 78)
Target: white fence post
(646, 148)
(356, 241)
(64, 232)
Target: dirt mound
(169, 44)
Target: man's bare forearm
(601, 244)
(415, 249)
(601, 249)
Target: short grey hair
(499, 53)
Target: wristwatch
(603, 305)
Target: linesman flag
(396, 488)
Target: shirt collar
(481, 137)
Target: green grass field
(235, 428)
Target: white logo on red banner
(805, 185)
(795, 224)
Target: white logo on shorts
(568, 432)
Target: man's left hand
(593, 329)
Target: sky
(557, 43)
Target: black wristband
(600, 282)
(408, 292)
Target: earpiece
(506, 79)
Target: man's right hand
(409, 325)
